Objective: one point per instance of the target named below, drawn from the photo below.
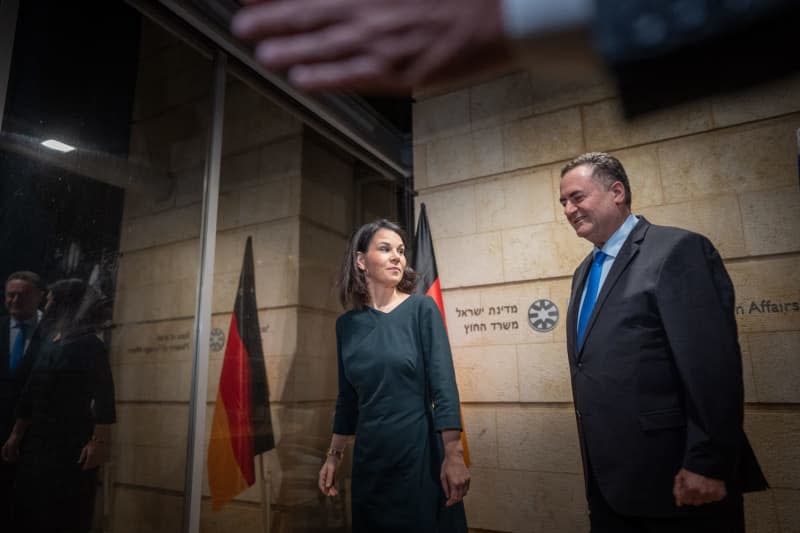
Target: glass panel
(121, 214)
(296, 195)
(266, 156)
(113, 201)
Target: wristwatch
(339, 454)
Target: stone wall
(487, 159)
(292, 193)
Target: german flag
(242, 425)
(425, 267)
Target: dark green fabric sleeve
(345, 419)
(439, 363)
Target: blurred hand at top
(388, 46)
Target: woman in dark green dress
(394, 365)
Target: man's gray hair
(607, 170)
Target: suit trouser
(726, 516)
(7, 477)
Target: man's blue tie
(18, 349)
(592, 287)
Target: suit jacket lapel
(626, 254)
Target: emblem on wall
(217, 339)
(543, 315)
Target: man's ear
(619, 192)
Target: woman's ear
(360, 264)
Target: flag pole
(266, 493)
(425, 265)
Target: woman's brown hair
(353, 293)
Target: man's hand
(693, 489)
(374, 45)
(10, 450)
(93, 455)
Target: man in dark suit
(655, 365)
(18, 344)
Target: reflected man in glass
(63, 429)
(18, 341)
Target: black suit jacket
(658, 383)
(11, 386)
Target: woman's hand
(10, 451)
(327, 476)
(454, 475)
(94, 454)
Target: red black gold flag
(242, 425)
(425, 266)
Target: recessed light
(57, 145)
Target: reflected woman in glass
(63, 428)
(397, 395)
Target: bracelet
(339, 454)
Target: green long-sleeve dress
(392, 367)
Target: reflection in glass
(119, 216)
(63, 429)
(121, 213)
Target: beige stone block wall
(551, 432)
(773, 365)
(787, 503)
(725, 166)
(487, 373)
(765, 228)
(251, 120)
(520, 198)
(552, 93)
(377, 198)
(542, 138)
(150, 444)
(275, 252)
(739, 159)
(765, 291)
(137, 511)
(718, 218)
(327, 187)
(520, 501)
(321, 251)
(150, 346)
(779, 97)
(294, 195)
(606, 129)
(777, 429)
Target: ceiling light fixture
(57, 145)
